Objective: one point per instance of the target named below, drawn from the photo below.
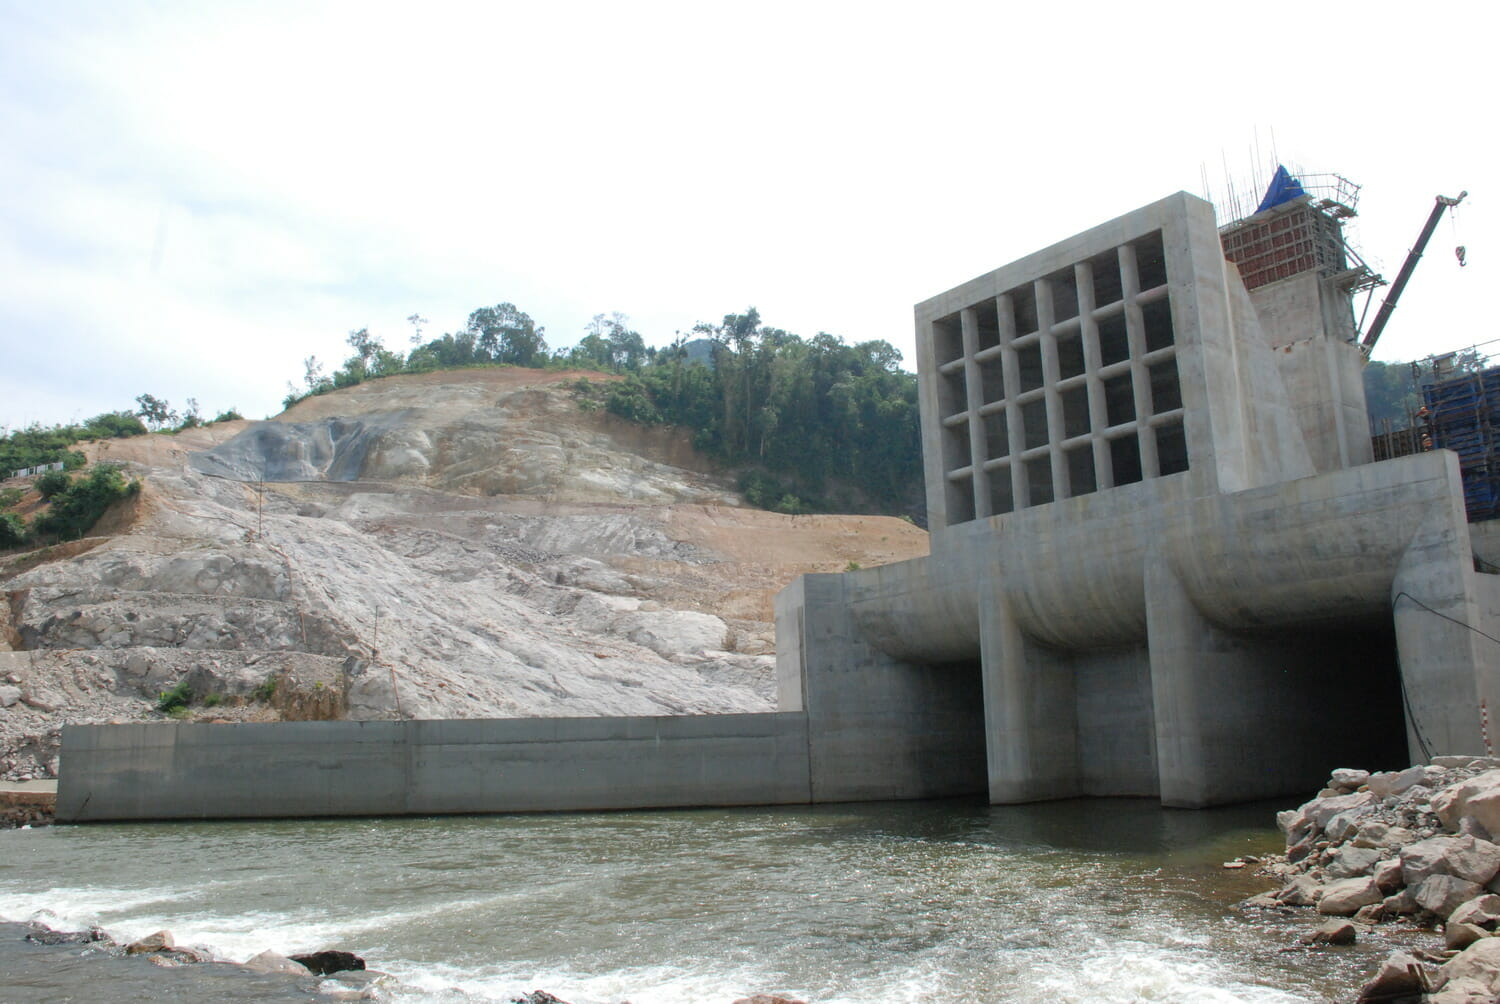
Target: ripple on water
(952, 901)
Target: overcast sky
(196, 196)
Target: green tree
(13, 531)
(505, 334)
(53, 483)
(157, 412)
(75, 511)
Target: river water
(1098, 900)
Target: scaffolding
(1463, 415)
(1305, 234)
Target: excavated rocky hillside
(462, 544)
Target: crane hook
(1462, 253)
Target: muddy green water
(1101, 900)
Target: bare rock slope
(454, 545)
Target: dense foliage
(826, 425)
(75, 510)
(814, 424)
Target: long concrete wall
(299, 769)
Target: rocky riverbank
(1416, 847)
(29, 950)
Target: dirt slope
(464, 544)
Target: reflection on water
(915, 901)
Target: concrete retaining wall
(299, 769)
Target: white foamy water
(947, 901)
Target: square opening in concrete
(1029, 365)
(1125, 459)
(956, 445)
(1075, 404)
(947, 339)
(996, 434)
(1158, 319)
(1034, 422)
(1105, 269)
(1002, 499)
(1039, 480)
(1070, 359)
(1151, 261)
(1064, 296)
(1119, 399)
(987, 323)
(1081, 478)
(1166, 392)
(1023, 304)
(1114, 344)
(1171, 449)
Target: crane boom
(1384, 314)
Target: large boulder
(272, 962)
(161, 941)
(1479, 962)
(1351, 861)
(1483, 911)
(1343, 898)
(1401, 979)
(1388, 783)
(1477, 798)
(1374, 833)
(1319, 811)
(1463, 857)
(1442, 894)
(329, 961)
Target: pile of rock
(1419, 845)
(344, 976)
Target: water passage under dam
(1097, 900)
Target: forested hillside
(812, 424)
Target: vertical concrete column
(1447, 668)
(1046, 317)
(1140, 376)
(1010, 376)
(974, 383)
(1088, 334)
(1030, 710)
(1236, 717)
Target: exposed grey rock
(1388, 876)
(1482, 910)
(272, 962)
(1388, 783)
(1401, 978)
(1401, 903)
(1351, 861)
(1375, 833)
(1478, 797)
(1349, 778)
(1442, 894)
(1479, 962)
(1464, 990)
(1344, 897)
(158, 942)
(1321, 810)
(1303, 890)
(9, 696)
(1332, 932)
(1462, 856)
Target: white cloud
(193, 197)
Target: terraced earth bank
(466, 544)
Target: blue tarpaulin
(1284, 188)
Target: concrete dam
(1163, 564)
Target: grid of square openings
(1061, 387)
